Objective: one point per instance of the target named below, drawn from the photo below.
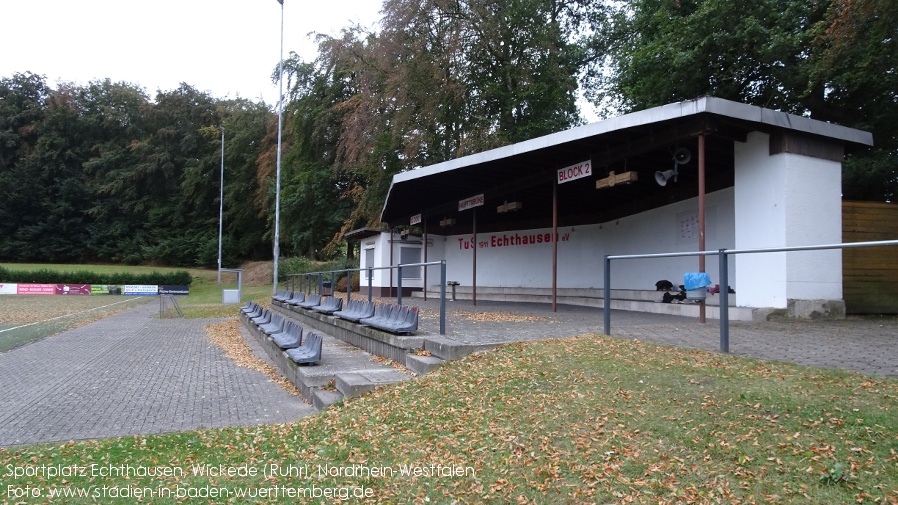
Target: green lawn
(204, 299)
(583, 420)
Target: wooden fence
(870, 274)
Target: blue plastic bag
(696, 280)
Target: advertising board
(73, 289)
(174, 290)
(140, 290)
(36, 289)
(105, 289)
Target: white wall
(581, 250)
(786, 200)
(381, 247)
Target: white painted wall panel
(813, 216)
(581, 250)
(782, 201)
(760, 222)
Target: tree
(855, 76)
(175, 178)
(753, 52)
(22, 110)
(245, 230)
(831, 60)
(112, 120)
(315, 199)
(40, 171)
(446, 78)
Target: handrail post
(348, 287)
(320, 282)
(443, 297)
(724, 302)
(399, 286)
(370, 279)
(606, 302)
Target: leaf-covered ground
(227, 336)
(582, 420)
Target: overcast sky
(225, 47)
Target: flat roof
(362, 233)
(641, 141)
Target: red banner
(36, 289)
(73, 289)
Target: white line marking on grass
(67, 315)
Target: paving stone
(863, 344)
(132, 374)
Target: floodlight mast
(277, 186)
(221, 205)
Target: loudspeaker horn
(682, 156)
(662, 177)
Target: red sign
(36, 289)
(73, 289)
(574, 172)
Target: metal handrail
(723, 265)
(174, 303)
(291, 278)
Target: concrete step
(423, 365)
(324, 398)
(337, 357)
(451, 350)
(352, 384)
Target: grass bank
(582, 420)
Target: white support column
(780, 201)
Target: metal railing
(166, 301)
(320, 277)
(723, 265)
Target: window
(369, 261)
(410, 255)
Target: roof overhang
(362, 233)
(642, 142)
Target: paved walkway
(132, 374)
(867, 345)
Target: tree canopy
(833, 60)
(101, 173)
(106, 172)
